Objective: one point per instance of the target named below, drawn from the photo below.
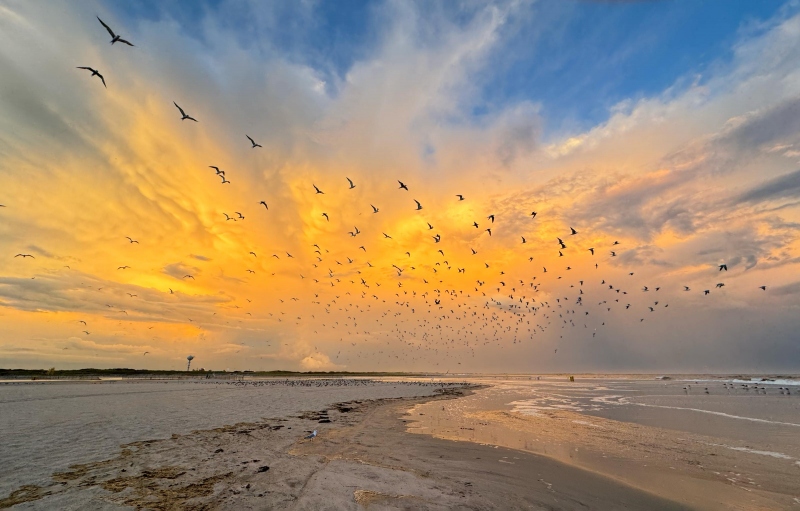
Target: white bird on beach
(312, 435)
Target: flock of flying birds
(413, 312)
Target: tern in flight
(95, 73)
(723, 267)
(132, 240)
(326, 217)
(419, 206)
(460, 197)
(574, 232)
(241, 216)
(184, 116)
(490, 217)
(123, 267)
(317, 189)
(533, 214)
(352, 185)
(374, 209)
(188, 277)
(265, 204)
(591, 250)
(219, 172)
(24, 256)
(252, 142)
(114, 37)
(403, 186)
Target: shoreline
(364, 458)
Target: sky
(655, 141)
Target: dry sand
(363, 459)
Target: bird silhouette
(184, 115)
(94, 73)
(253, 142)
(114, 37)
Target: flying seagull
(252, 141)
(374, 209)
(403, 186)
(264, 203)
(317, 189)
(460, 197)
(183, 114)
(351, 183)
(95, 73)
(24, 256)
(132, 240)
(723, 267)
(114, 37)
(419, 206)
(574, 232)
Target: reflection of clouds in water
(535, 405)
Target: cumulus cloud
(700, 174)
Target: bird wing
(124, 41)
(103, 80)
(87, 68)
(179, 108)
(107, 27)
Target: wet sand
(731, 449)
(362, 459)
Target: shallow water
(46, 427)
(653, 434)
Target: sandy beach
(390, 445)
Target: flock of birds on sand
(424, 316)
